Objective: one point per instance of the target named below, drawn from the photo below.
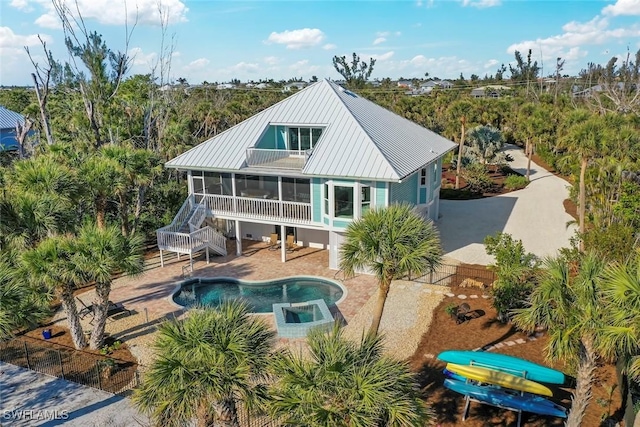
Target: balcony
(277, 159)
(279, 211)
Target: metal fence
(452, 275)
(101, 372)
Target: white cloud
(297, 39)
(491, 63)
(576, 35)
(138, 57)
(244, 67)
(383, 57)
(303, 67)
(198, 64)
(271, 60)
(383, 34)
(481, 4)
(9, 39)
(329, 46)
(108, 12)
(379, 40)
(22, 5)
(623, 7)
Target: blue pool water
(260, 296)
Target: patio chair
(462, 312)
(273, 242)
(291, 246)
(85, 310)
(112, 309)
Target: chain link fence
(452, 275)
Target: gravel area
(407, 315)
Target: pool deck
(153, 289)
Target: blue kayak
(496, 396)
(502, 362)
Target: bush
(477, 178)
(515, 182)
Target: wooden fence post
(98, 374)
(61, 366)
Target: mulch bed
(58, 357)
(445, 334)
(496, 174)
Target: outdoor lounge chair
(291, 246)
(462, 312)
(112, 309)
(273, 242)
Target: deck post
(191, 260)
(283, 243)
(238, 238)
(161, 259)
(207, 249)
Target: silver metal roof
(9, 118)
(360, 139)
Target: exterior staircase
(186, 235)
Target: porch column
(280, 194)
(161, 259)
(233, 192)
(283, 243)
(238, 238)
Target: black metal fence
(101, 372)
(452, 275)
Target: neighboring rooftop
(360, 138)
(8, 118)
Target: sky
(218, 40)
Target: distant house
(405, 83)
(262, 86)
(444, 84)
(294, 86)
(223, 86)
(490, 91)
(8, 121)
(577, 93)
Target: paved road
(534, 215)
(29, 398)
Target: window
(296, 190)
(423, 176)
(217, 183)
(326, 199)
(365, 200)
(301, 139)
(435, 173)
(343, 202)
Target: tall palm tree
(51, 264)
(99, 254)
(205, 364)
(392, 242)
(586, 141)
(568, 302)
(345, 384)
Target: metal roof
(360, 139)
(9, 118)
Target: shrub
(515, 182)
(477, 178)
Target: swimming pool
(260, 296)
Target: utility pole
(459, 165)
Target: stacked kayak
(504, 381)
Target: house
(8, 121)
(263, 86)
(305, 167)
(406, 84)
(490, 91)
(294, 86)
(224, 86)
(429, 85)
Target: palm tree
(51, 264)
(99, 254)
(344, 383)
(103, 179)
(22, 304)
(585, 140)
(622, 331)
(568, 302)
(485, 142)
(205, 364)
(392, 242)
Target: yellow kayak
(502, 379)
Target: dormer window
(302, 139)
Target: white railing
(181, 217)
(285, 159)
(197, 218)
(191, 242)
(253, 208)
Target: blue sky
(221, 40)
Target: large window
(301, 139)
(343, 202)
(326, 199)
(211, 183)
(296, 190)
(258, 187)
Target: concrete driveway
(28, 398)
(534, 215)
